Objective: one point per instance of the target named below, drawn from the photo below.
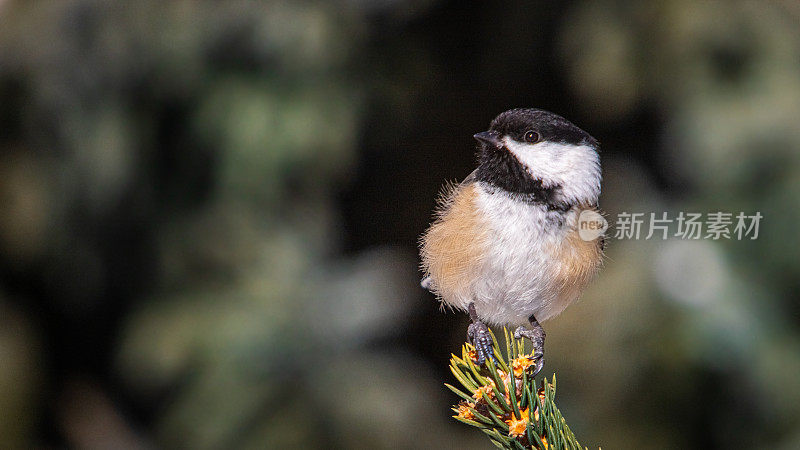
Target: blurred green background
(209, 214)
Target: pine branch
(509, 409)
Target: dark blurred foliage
(209, 214)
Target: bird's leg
(479, 334)
(536, 335)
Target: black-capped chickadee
(505, 245)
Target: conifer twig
(503, 400)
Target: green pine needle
(511, 411)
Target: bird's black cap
(551, 127)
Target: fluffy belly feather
(454, 247)
(511, 258)
(537, 264)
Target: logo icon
(591, 225)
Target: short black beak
(489, 137)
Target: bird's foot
(536, 336)
(479, 334)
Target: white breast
(518, 276)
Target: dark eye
(531, 136)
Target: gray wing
(426, 283)
(471, 178)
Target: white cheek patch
(576, 168)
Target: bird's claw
(536, 336)
(539, 365)
(481, 339)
